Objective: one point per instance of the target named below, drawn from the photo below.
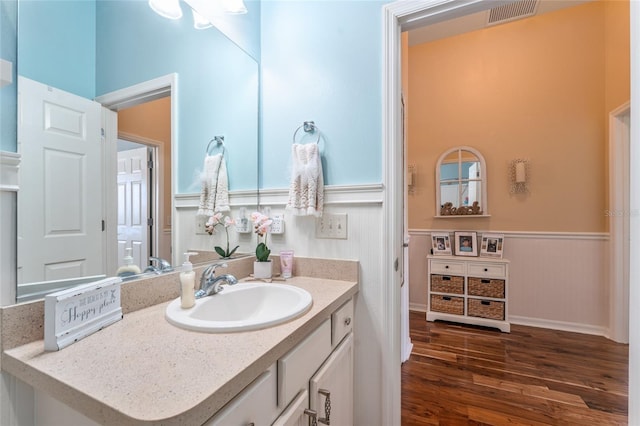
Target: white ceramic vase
(262, 269)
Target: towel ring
(219, 140)
(309, 127)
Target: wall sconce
(519, 176)
(411, 177)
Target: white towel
(306, 192)
(214, 196)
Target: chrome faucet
(163, 265)
(210, 284)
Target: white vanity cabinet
(312, 380)
(471, 290)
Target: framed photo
(441, 243)
(466, 243)
(492, 245)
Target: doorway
(403, 17)
(117, 105)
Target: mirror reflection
(461, 184)
(83, 50)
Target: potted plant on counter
(262, 264)
(218, 220)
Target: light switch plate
(332, 225)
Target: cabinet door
(331, 388)
(255, 405)
(295, 414)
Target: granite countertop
(143, 370)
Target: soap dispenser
(128, 268)
(187, 283)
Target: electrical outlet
(277, 225)
(243, 226)
(201, 222)
(332, 226)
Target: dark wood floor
(465, 375)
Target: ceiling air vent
(512, 11)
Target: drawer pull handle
(485, 281)
(251, 424)
(446, 298)
(347, 321)
(486, 270)
(446, 267)
(485, 302)
(445, 278)
(327, 407)
(313, 415)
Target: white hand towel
(215, 189)
(306, 191)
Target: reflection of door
(60, 197)
(133, 205)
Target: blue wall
(321, 61)
(57, 43)
(8, 94)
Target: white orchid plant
(261, 225)
(225, 221)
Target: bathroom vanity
(143, 370)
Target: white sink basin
(242, 307)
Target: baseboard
(559, 325)
(418, 307)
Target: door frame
(401, 16)
(125, 98)
(619, 214)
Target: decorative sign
(75, 313)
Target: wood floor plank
(466, 375)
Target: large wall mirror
(461, 183)
(89, 50)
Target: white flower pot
(262, 269)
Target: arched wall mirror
(461, 183)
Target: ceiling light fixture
(167, 8)
(200, 22)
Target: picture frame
(441, 243)
(466, 243)
(492, 245)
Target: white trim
(9, 171)
(538, 322)
(236, 199)
(619, 214)
(558, 325)
(418, 307)
(529, 234)
(150, 90)
(335, 194)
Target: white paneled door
(61, 190)
(133, 205)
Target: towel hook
(219, 140)
(309, 127)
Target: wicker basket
(447, 304)
(447, 284)
(485, 287)
(485, 309)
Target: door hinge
(150, 164)
(102, 132)
(104, 225)
(150, 221)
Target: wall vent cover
(511, 12)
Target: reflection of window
(461, 183)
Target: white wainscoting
(557, 280)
